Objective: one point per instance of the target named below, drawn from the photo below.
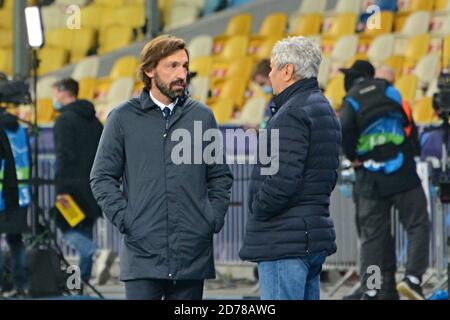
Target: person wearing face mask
(77, 133)
(378, 138)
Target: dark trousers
(374, 222)
(19, 263)
(157, 289)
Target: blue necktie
(166, 112)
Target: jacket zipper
(165, 186)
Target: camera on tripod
(14, 91)
(441, 104)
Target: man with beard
(168, 210)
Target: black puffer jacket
(289, 211)
(77, 134)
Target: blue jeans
(80, 239)
(19, 261)
(291, 279)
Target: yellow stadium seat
(201, 65)
(442, 5)
(82, 40)
(234, 47)
(307, 25)
(423, 112)
(109, 17)
(223, 110)
(446, 54)
(6, 38)
(416, 48)
(110, 3)
(46, 113)
(126, 66)
(252, 113)
(335, 92)
(51, 59)
(200, 45)
(6, 18)
(115, 38)
(386, 23)
(59, 38)
(239, 68)
(239, 25)
(264, 50)
(87, 88)
(416, 5)
(342, 25)
(396, 63)
(233, 88)
(90, 17)
(407, 85)
(132, 16)
(6, 61)
(274, 25)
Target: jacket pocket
(210, 216)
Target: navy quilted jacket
(289, 211)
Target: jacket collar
(295, 88)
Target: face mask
(267, 89)
(56, 104)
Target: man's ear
(289, 72)
(150, 73)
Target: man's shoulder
(199, 107)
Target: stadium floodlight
(34, 27)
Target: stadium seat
(53, 17)
(335, 91)
(263, 50)
(341, 25)
(237, 68)
(416, 48)
(45, 87)
(6, 18)
(311, 6)
(427, 69)
(200, 46)
(416, 23)
(115, 38)
(347, 6)
(87, 88)
(181, 16)
(440, 25)
(446, 54)
(386, 23)
(200, 87)
(90, 17)
(407, 85)
(201, 65)
(382, 48)
(83, 40)
(233, 88)
(223, 110)
(6, 38)
(442, 6)
(110, 3)
(71, 2)
(52, 59)
(344, 49)
(46, 113)
(306, 25)
(396, 62)
(324, 72)
(274, 25)
(240, 24)
(252, 113)
(423, 112)
(234, 47)
(87, 68)
(126, 66)
(120, 91)
(132, 16)
(416, 5)
(59, 38)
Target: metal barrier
(229, 241)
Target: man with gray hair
(289, 232)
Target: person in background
(77, 133)
(379, 140)
(13, 208)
